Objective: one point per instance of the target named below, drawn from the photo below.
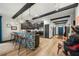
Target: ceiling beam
(60, 17)
(56, 11)
(60, 21)
(24, 8)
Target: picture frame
(13, 27)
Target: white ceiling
(42, 8)
(37, 9)
(10, 9)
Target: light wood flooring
(47, 47)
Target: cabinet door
(47, 30)
(54, 31)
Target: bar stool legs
(59, 47)
(20, 42)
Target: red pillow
(74, 47)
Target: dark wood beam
(60, 21)
(25, 7)
(60, 17)
(56, 11)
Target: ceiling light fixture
(30, 16)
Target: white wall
(6, 31)
(51, 25)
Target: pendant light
(21, 20)
(30, 17)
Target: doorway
(0, 29)
(47, 31)
(60, 31)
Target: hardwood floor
(47, 47)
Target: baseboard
(6, 41)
